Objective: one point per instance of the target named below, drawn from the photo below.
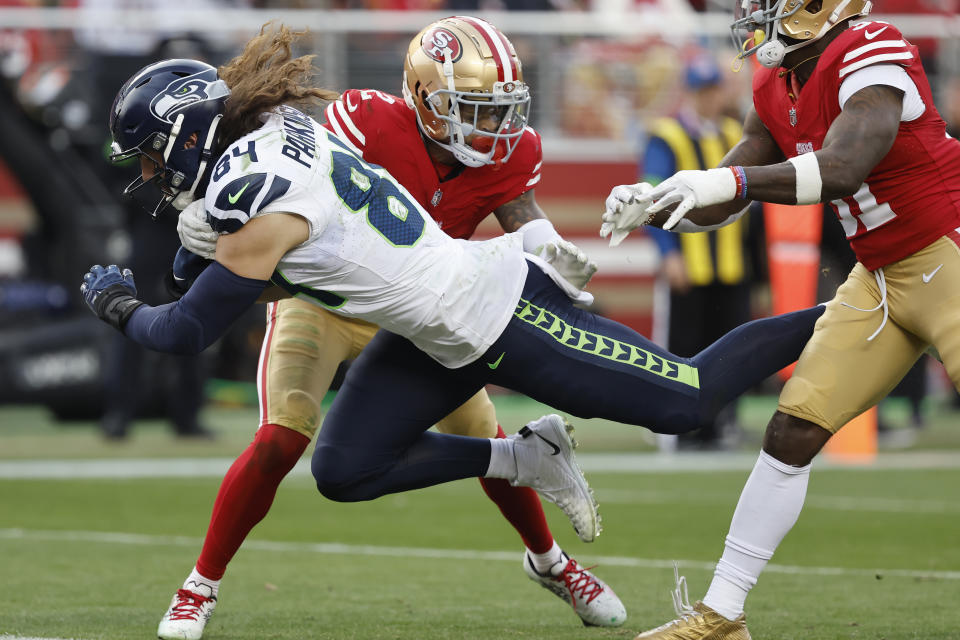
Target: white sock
(199, 584)
(769, 506)
(543, 562)
(503, 464)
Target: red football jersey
(912, 196)
(384, 130)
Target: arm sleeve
(203, 314)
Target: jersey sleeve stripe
(537, 167)
(344, 138)
(344, 119)
(885, 57)
(534, 180)
(880, 44)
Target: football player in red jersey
(458, 141)
(842, 114)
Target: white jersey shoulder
(270, 169)
(373, 253)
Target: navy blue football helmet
(168, 112)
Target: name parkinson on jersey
(299, 140)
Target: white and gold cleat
(697, 622)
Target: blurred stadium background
(80, 514)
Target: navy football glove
(187, 267)
(110, 294)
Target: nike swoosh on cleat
(927, 277)
(553, 445)
(233, 197)
(871, 36)
(494, 365)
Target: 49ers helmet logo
(436, 40)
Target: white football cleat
(591, 599)
(543, 450)
(188, 613)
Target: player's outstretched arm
(855, 143)
(223, 291)
(703, 200)
(541, 239)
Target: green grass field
(874, 556)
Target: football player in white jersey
(304, 344)
(302, 214)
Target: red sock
(521, 507)
(246, 493)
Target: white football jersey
(372, 253)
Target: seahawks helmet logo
(183, 92)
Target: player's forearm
(523, 209)
(202, 315)
(704, 218)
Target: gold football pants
(303, 346)
(841, 373)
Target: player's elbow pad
(197, 320)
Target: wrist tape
(809, 182)
(537, 233)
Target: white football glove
(569, 267)
(691, 190)
(196, 234)
(570, 261)
(625, 211)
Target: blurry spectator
(137, 382)
(708, 274)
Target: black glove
(110, 294)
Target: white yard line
(813, 501)
(589, 462)
(333, 548)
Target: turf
(874, 556)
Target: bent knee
(339, 477)
(277, 449)
(793, 440)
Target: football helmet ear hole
(433, 126)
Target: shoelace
(681, 599)
(189, 605)
(577, 578)
(681, 603)
(882, 283)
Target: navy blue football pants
(375, 438)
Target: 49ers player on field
(843, 114)
(458, 141)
